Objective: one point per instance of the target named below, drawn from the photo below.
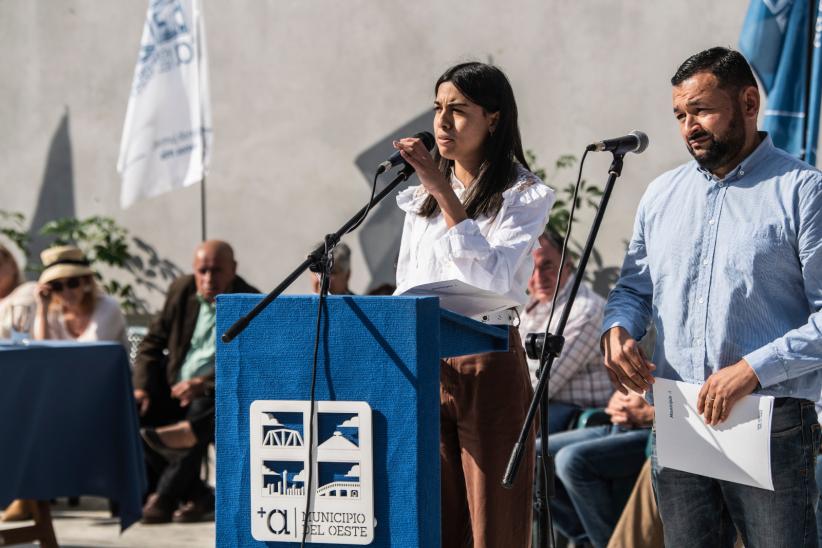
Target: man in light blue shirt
(726, 260)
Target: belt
(509, 316)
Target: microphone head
(643, 141)
(428, 139)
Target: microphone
(396, 158)
(636, 142)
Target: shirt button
(701, 301)
(705, 263)
(741, 173)
(711, 222)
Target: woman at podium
(475, 218)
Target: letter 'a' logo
(278, 522)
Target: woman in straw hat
(70, 305)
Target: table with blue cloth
(69, 425)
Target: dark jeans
(819, 500)
(559, 415)
(596, 470)
(698, 511)
(179, 481)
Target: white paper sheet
(463, 298)
(737, 450)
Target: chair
(135, 335)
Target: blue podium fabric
(382, 350)
(68, 425)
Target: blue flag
(776, 39)
(815, 90)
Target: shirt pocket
(757, 250)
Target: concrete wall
(302, 89)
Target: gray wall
(302, 89)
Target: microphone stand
(551, 350)
(314, 261)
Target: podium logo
(341, 471)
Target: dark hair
(729, 66)
(486, 86)
(552, 237)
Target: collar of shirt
(203, 302)
(747, 165)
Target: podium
(376, 469)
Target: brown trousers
(483, 401)
(639, 526)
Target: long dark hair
(486, 86)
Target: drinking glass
(22, 320)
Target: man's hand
(630, 410)
(627, 365)
(186, 391)
(143, 401)
(723, 389)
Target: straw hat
(65, 261)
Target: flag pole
(202, 131)
(203, 208)
(812, 9)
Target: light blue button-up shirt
(729, 269)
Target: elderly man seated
(340, 272)
(578, 379)
(174, 386)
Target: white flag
(167, 135)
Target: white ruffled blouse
(491, 253)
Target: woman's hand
(43, 294)
(414, 152)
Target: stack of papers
(737, 450)
(463, 298)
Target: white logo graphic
(342, 504)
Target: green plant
(103, 241)
(13, 227)
(588, 195)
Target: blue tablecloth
(69, 426)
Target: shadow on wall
(380, 236)
(56, 198)
(602, 278)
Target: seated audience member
(13, 291)
(340, 272)
(174, 386)
(578, 378)
(69, 306)
(639, 526)
(383, 289)
(596, 468)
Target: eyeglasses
(70, 283)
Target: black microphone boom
(396, 158)
(635, 142)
